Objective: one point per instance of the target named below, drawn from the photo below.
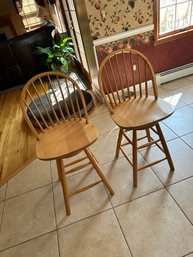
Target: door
(74, 28)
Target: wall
(108, 17)
(123, 14)
(7, 8)
(163, 57)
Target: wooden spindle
(42, 103)
(126, 75)
(139, 75)
(37, 109)
(56, 99)
(70, 97)
(120, 78)
(115, 81)
(132, 74)
(112, 93)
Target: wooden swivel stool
(54, 108)
(128, 86)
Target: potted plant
(58, 56)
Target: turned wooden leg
(164, 145)
(134, 158)
(98, 170)
(119, 142)
(58, 171)
(62, 177)
(148, 135)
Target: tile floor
(153, 220)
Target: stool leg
(134, 158)
(119, 142)
(164, 145)
(148, 135)
(98, 170)
(62, 177)
(59, 177)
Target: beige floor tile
(27, 216)
(119, 173)
(83, 205)
(155, 226)
(182, 159)
(93, 237)
(98, 109)
(168, 133)
(183, 194)
(187, 93)
(188, 139)
(35, 175)
(3, 191)
(105, 147)
(181, 122)
(178, 83)
(190, 77)
(189, 255)
(44, 246)
(103, 123)
(175, 98)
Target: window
(173, 19)
(33, 15)
(29, 15)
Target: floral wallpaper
(108, 17)
(125, 43)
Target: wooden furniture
(54, 103)
(125, 79)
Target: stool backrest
(51, 98)
(125, 74)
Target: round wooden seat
(65, 139)
(140, 112)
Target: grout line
(166, 188)
(29, 191)
(185, 141)
(179, 206)
(139, 197)
(190, 177)
(28, 240)
(127, 243)
(110, 199)
(85, 218)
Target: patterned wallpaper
(108, 17)
(125, 43)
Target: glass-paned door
(74, 28)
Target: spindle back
(124, 75)
(51, 98)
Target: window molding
(170, 36)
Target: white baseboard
(175, 73)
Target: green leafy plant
(59, 55)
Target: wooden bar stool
(54, 108)
(125, 79)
